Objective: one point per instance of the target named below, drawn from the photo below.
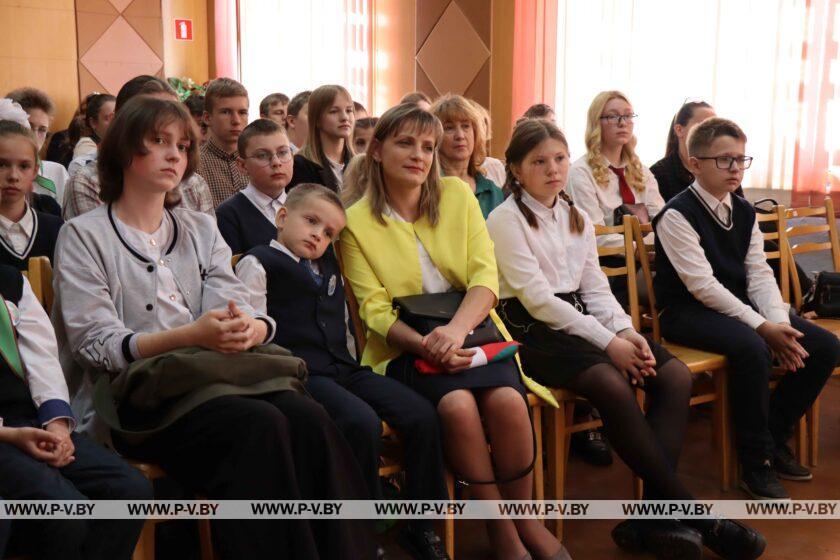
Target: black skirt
(552, 357)
(499, 374)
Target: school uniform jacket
(41, 241)
(242, 225)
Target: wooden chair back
(798, 247)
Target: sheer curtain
(745, 57)
(290, 46)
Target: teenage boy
(226, 114)
(297, 279)
(297, 121)
(247, 218)
(718, 293)
(274, 107)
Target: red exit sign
(183, 30)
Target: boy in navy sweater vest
(41, 458)
(247, 218)
(717, 293)
(297, 279)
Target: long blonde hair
(594, 158)
(355, 182)
(395, 119)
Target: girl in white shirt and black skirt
(556, 301)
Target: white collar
(283, 249)
(26, 222)
(260, 199)
(548, 214)
(710, 199)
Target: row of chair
(555, 427)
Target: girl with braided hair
(556, 301)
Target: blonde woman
(609, 179)
(463, 149)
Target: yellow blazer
(381, 263)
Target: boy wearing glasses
(716, 292)
(247, 218)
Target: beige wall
(38, 48)
(186, 58)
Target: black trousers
(97, 474)
(358, 400)
(761, 420)
(277, 446)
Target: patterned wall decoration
(118, 39)
(453, 48)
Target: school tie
(307, 264)
(627, 196)
(724, 213)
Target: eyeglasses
(617, 119)
(263, 159)
(725, 162)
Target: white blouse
(433, 280)
(535, 264)
(600, 202)
(18, 236)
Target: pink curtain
(227, 38)
(534, 54)
(814, 156)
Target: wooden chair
(698, 361)
(235, 259)
(39, 273)
(809, 445)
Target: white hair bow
(12, 111)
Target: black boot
(664, 538)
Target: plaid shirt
(219, 170)
(82, 193)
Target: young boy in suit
(247, 218)
(298, 280)
(717, 293)
(41, 457)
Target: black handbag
(425, 312)
(824, 296)
(639, 210)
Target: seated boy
(41, 458)
(273, 107)
(717, 293)
(298, 280)
(247, 218)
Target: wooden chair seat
(697, 361)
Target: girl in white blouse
(610, 174)
(555, 299)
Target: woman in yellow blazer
(412, 233)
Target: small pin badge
(331, 285)
(14, 313)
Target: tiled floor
(787, 540)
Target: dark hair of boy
(127, 134)
(538, 111)
(304, 191)
(143, 84)
(95, 105)
(270, 100)
(195, 105)
(704, 134)
(365, 123)
(297, 103)
(260, 127)
(32, 98)
(685, 114)
(222, 87)
(358, 107)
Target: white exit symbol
(183, 30)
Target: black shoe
(787, 466)
(763, 484)
(422, 545)
(593, 447)
(664, 538)
(733, 541)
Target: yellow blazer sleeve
(375, 308)
(481, 260)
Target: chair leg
(722, 428)
(557, 459)
(449, 522)
(813, 420)
(145, 547)
(539, 472)
(205, 541)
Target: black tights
(649, 444)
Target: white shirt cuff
(777, 315)
(753, 319)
